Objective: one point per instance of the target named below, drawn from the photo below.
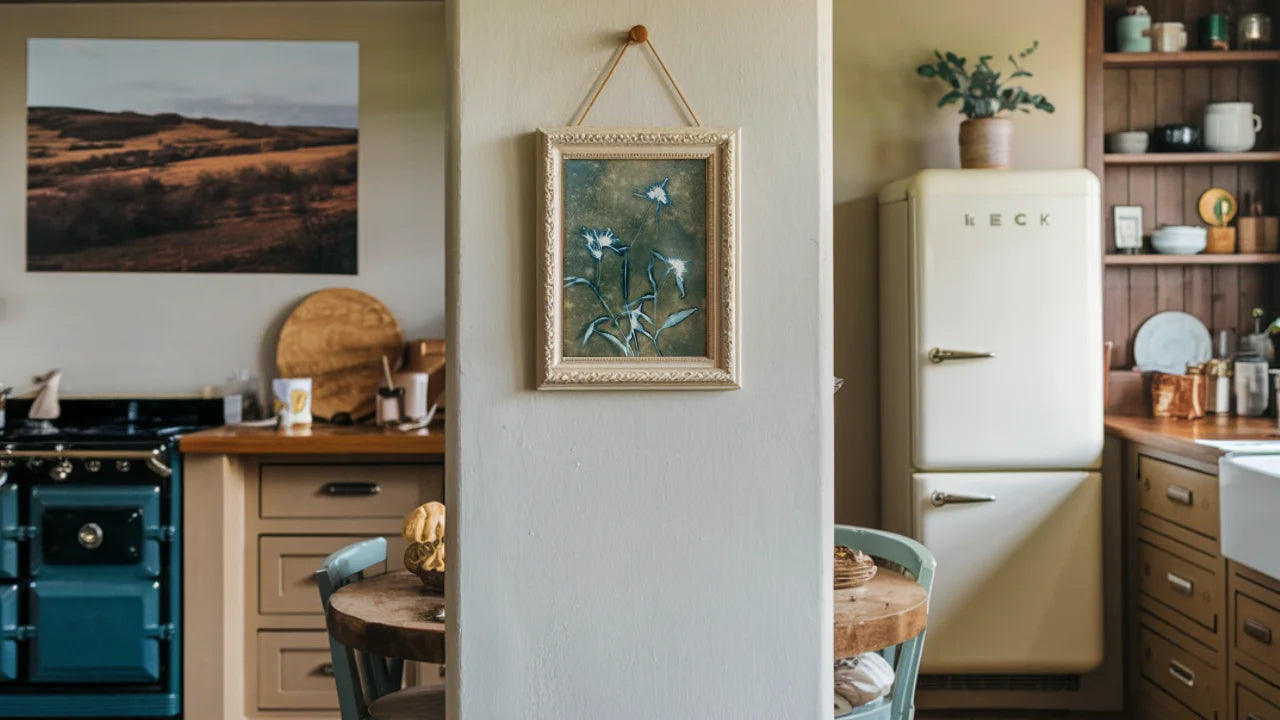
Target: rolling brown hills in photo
(126, 191)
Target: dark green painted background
(599, 194)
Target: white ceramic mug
(292, 400)
(1167, 36)
(1230, 126)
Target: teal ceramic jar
(1131, 33)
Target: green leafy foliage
(979, 89)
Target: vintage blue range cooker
(91, 557)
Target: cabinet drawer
(295, 671)
(348, 491)
(1179, 673)
(1168, 575)
(1251, 707)
(1256, 631)
(1155, 704)
(287, 565)
(1179, 495)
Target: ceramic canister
(1168, 37)
(1230, 126)
(1131, 33)
(415, 393)
(292, 400)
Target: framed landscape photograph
(219, 156)
(637, 258)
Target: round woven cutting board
(337, 337)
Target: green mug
(1213, 32)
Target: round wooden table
(388, 615)
(888, 610)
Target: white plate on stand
(1167, 341)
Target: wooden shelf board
(1222, 259)
(1189, 57)
(1192, 158)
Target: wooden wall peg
(639, 34)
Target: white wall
(645, 554)
(116, 333)
(886, 127)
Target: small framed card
(1128, 228)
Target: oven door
(96, 532)
(94, 631)
(8, 633)
(8, 530)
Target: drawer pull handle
(1182, 673)
(326, 669)
(352, 488)
(1178, 494)
(1257, 631)
(1180, 584)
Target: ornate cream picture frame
(637, 258)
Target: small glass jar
(1253, 32)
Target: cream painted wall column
(887, 127)
(640, 554)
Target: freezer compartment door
(1019, 581)
(1016, 277)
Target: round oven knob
(60, 471)
(123, 465)
(90, 535)
(93, 465)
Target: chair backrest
(915, 559)
(381, 676)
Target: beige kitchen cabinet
(262, 511)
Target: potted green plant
(986, 138)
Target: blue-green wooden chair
(379, 697)
(917, 561)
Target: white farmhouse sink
(1250, 504)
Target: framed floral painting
(637, 258)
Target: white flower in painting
(675, 266)
(656, 194)
(679, 267)
(598, 240)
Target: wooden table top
(388, 615)
(888, 610)
(1179, 436)
(319, 439)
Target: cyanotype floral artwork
(635, 258)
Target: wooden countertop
(320, 439)
(1179, 436)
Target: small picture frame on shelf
(1128, 228)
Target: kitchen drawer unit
(287, 566)
(1156, 704)
(1253, 698)
(1183, 586)
(1179, 495)
(295, 671)
(347, 490)
(1179, 672)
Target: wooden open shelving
(1189, 57)
(1192, 158)
(1217, 259)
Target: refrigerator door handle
(940, 498)
(938, 355)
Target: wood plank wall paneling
(1222, 297)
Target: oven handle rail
(80, 454)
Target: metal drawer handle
(938, 355)
(1180, 584)
(1257, 631)
(1178, 494)
(1182, 673)
(352, 488)
(90, 536)
(939, 498)
(326, 669)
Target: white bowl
(1179, 240)
(1132, 142)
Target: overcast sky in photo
(272, 82)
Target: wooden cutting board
(337, 337)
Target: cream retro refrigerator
(991, 405)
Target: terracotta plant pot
(986, 143)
